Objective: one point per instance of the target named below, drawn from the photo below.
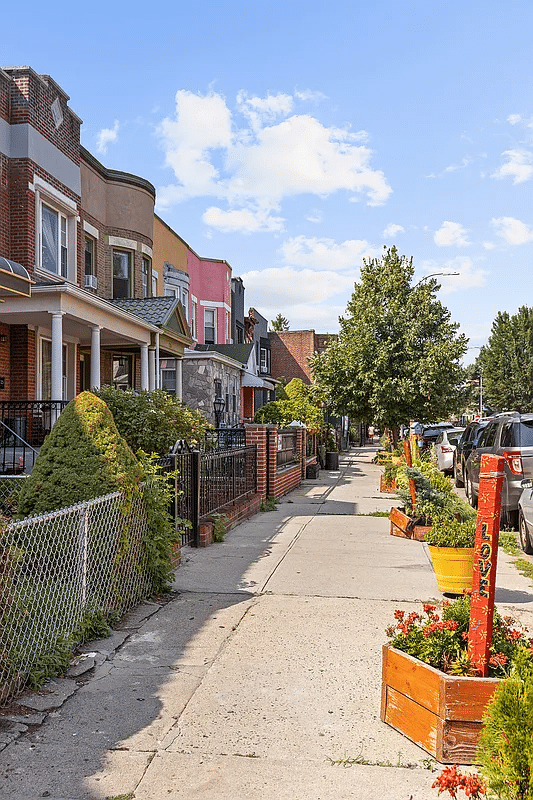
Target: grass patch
(374, 514)
(524, 567)
(270, 504)
(507, 541)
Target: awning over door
(14, 279)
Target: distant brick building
(291, 351)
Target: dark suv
(510, 435)
(464, 446)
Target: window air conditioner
(91, 282)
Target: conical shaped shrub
(83, 457)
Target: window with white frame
(194, 316)
(185, 302)
(54, 241)
(122, 262)
(263, 365)
(210, 321)
(90, 256)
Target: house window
(185, 302)
(218, 388)
(193, 318)
(122, 372)
(90, 254)
(240, 334)
(234, 395)
(264, 360)
(46, 371)
(209, 325)
(54, 241)
(121, 273)
(145, 277)
(154, 283)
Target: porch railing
(23, 427)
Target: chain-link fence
(58, 568)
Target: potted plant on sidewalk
(430, 691)
(451, 547)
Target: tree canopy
(279, 323)
(298, 406)
(398, 354)
(506, 362)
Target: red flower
(498, 660)
(398, 614)
(428, 608)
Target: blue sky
(295, 139)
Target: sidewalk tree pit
(440, 671)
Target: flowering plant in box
(440, 639)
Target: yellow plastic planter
(453, 568)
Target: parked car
(430, 433)
(464, 446)
(445, 446)
(510, 435)
(525, 516)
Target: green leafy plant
(431, 502)
(445, 532)
(220, 526)
(153, 421)
(441, 639)
(270, 504)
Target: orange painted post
(409, 462)
(485, 559)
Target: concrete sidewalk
(261, 678)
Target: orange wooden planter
(387, 484)
(440, 713)
(406, 527)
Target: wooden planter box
(440, 713)
(387, 484)
(406, 527)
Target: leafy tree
(397, 356)
(153, 421)
(280, 323)
(507, 361)
(298, 405)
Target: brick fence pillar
(257, 435)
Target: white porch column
(179, 378)
(95, 357)
(57, 356)
(157, 364)
(144, 367)
(151, 369)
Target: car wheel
(523, 532)
(472, 496)
(458, 479)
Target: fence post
(195, 499)
(84, 526)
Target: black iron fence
(206, 482)
(224, 439)
(23, 427)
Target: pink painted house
(210, 299)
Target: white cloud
(326, 254)
(450, 234)
(276, 154)
(512, 230)
(314, 216)
(469, 276)
(518, 119)
(392, 230)
(519, 166)
(451, 168)
(287, 286)
(107, 136)
(244, 220)
(489, 245)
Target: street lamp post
(218, 406)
